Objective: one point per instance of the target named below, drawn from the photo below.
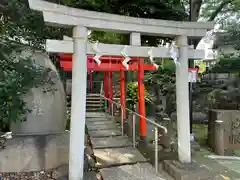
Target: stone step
(181, 171)
(93, 98)
(94, 105)
(89, 175)
(97, 119)
(117, 157)
(105, 126)
(143, 171)
(95, 114)
(93, 94)
(104, 133)
(94, 109)
(111, 142)
(94, 102)
(98, 123)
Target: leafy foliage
(23, 24)
(219, 10)
(162, 83)
(163, 79)
(132, 96)
(221, 94)
(18, 74)
(227, 65)
(20, 22)
(234, 32)
(225, 99)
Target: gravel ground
(42, 175)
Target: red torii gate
(111, 64)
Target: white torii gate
(81, 21)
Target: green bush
(162, 83)
(18, 74)
(227, 64)
(132, 95)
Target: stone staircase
(94, 103)
(115, 157)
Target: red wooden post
(106, 84)
(110, 89)
(90, 81)
(141, 101)
(122, 93)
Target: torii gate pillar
(106, 84)
(182, 99)
(78, 105)
(110, 75)
(135, 39)
(141, 102)
(122, 94)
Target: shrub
(132, 95)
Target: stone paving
(115, 156)
(231, 164)
(110, 142)
(131, 172)
(225, 170)
(104, 133)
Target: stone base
(190, 171)
(35, 152)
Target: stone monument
(224, 130)
(40, 142)
(48, 110)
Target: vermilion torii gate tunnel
(110, 64)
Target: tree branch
(219, 9)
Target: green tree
(220, 11)
(162, 83)
(210, 10)
(20, 22)
(234, 32)
(24, 25)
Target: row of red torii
(81, 21)
(110, 64)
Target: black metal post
(190, 64)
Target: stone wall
(224, 130)
(35, 153)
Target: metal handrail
(134, 128)
(132, 112)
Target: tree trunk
(195, 9)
